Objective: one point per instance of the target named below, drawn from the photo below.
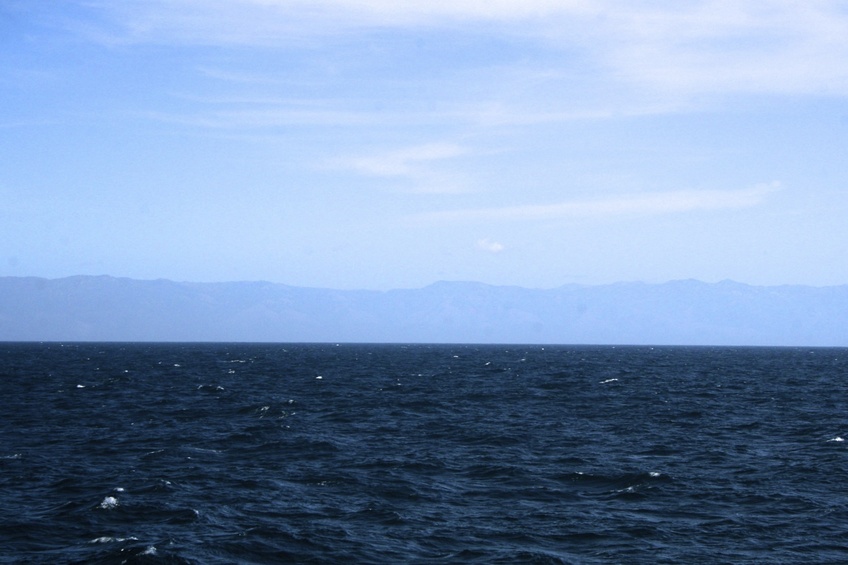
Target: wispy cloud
(240, 77)
(405, 161)
(646, 204)
(779, 46)
(272, 116)
(281, 22)
(708, 45)
(422, 166)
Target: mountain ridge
(682, 312)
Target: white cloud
(489, 245)
(646, 204)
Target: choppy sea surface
(258, 453)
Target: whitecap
(203, 450)
(608, 381)
(109, 502)
(151, 550)
(109, 539)
(837, 439)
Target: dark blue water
(422, 454)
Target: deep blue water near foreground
(234, 453)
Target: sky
(377, 144)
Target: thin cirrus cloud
(593, 60)
(424, 167)
(670, 46)
(267, 116)
(283, 22)
(779, 46)
(405, 161)
(646, 204)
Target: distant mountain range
(102, 308)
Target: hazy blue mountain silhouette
(102, 308)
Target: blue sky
(383, 144)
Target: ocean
(324, 453)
